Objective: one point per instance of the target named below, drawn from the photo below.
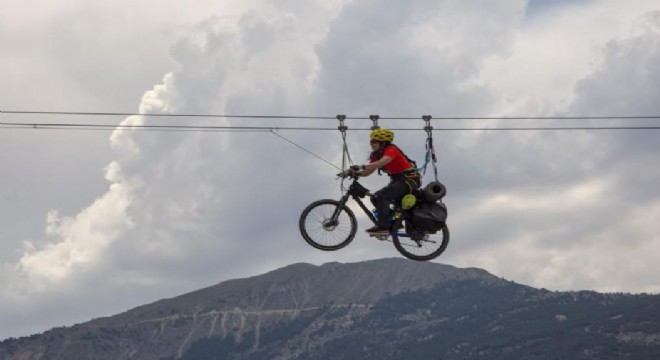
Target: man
(404, 177)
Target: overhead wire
(174, 115)
(275, 129)
(81, 126)
(175, 127)
(304, 149)
(75, 128)
(81, 113)
(623, 117)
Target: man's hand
(356, 168)
(345, 173)
(353, 170)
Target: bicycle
(330, 225)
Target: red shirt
(399, 162)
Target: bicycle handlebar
(351, 172)
(348, 174)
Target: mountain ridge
(368, 309)
(400, 272)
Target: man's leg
(386, 196)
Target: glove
(345, 173)
(354, 169)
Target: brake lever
(347, 174)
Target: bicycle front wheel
(429, 247)
(319, 230)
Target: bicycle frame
(356, 191)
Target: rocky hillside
(390, 308)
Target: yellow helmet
(382, 135)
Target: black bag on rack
(430, 216)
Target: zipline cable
(73, 126)
(165, 129)
(98, 113)
(305, 150)
(430, 152)
(79, 113)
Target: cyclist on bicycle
(404, 177)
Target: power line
(76, 128)
(275, 130)
(81, 126)
(78, 113)
(300, 117)
(622, 117)
(90, 126)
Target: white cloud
(580, 195)
(554, 50)
(574, 219)
(75, 243)
(558, 237)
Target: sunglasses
(373, 141)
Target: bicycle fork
(342, 203)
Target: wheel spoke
(317, 230)
(424, 249)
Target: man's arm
(371, 167)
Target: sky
(97, 222)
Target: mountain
(381, 309)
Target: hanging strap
(374, 119)
(346, 161)
(430, 151)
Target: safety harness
(411, 172)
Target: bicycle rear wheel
(318, 230)
(428, 248)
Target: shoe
(377, 231)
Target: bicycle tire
(428, 249)
(316, 231)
